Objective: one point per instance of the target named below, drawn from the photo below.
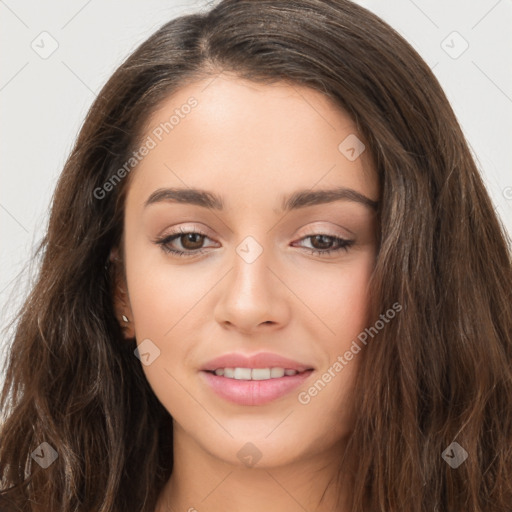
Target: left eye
(191, 242)
(324, 244)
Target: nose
(252, 297)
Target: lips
(261, 360)
(254, 392)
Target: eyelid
(188, 228)
(321, 229)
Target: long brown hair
(440, 372)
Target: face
(271, 268)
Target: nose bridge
(251, 294)
(250, 278)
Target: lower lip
(254, 392)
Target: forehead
(228, 133)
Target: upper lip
(260, 360)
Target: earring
(126, 319)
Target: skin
(251, 144)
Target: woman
(272, 280)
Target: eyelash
(164, 242)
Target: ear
(121, 300)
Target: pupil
(324, 241)
(190, 238)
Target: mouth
(240, 373)
(254, 386)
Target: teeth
(254, 373)
(260, 373)
(242, 373)
(279, 372)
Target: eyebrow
(299, 199)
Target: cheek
(341, 300)
(165, 302)
(339, 295)
(162, 294)
(350, 300)
(165, 307)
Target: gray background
(44, 98)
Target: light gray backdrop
(57, 55)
